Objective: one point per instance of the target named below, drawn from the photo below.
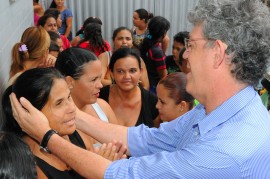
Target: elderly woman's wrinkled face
(60, 109)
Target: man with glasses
(226, 136)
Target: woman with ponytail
(151, 51)
(31, 52)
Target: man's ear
(220, 55)
(69, 81)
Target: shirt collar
(226, 110)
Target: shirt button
(195, 133)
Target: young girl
(173, 99)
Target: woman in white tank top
(82, 70)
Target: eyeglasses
(188, 45)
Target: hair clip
(23, 48)
(149, 36)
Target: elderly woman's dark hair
(122, 53)
(35, 85)
(248, 42)
(176, 84)
(17, 160)
(71, 61)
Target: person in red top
(93, 39)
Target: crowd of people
(128, 110)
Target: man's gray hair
(244, 25)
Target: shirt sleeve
(190, 162)
(67, 13)
(156, 155)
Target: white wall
(15, 17)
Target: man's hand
(31, 120)
(112, 151)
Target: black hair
(181, 36)
(122, 53)
(71, 61)
(53, 4)
(144, 14)
(157, 28)
(17, 160)
(87, 21)
(54, 36)
(53, 11)
(54, 47)
(176, 83)
(35, 85)
(42, 20)
(93, 34)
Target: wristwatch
(45, 140)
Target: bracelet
(45, 140)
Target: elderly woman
(48, 91)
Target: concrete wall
(15, 17)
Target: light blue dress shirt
(233, 141)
